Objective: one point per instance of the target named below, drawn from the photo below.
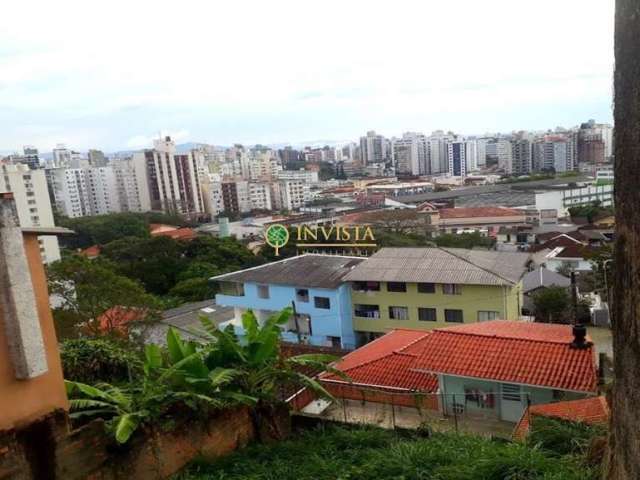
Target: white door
(511, 402)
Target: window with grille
(453, 316)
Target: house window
(398, 313)
(426, 288)
(511, 392)
(453, 316)
(366, 286)
(427, 314)
(322, 302)
(233, 289)
(366, 311)
(396, 287)
(263, 291)
(451, 289)
(334, 342)
(484, 316)
(302, 295)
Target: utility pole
(574, 298)
(295, 320)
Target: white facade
(102, 190)
(307, 176)
(289, 194)
(29, 188)
(69, 191)
(562, 199)
(131, 184)
(61, 157)
(410, 153)
(260, 196)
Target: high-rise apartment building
(438, 154)
(554, 153)
(457, 159)
(97, 158)
(373, 149)
(172, 178)
(31, 196)
(131, 184)
(410, 154)
(522, 156)
(289, 194)
(61, 157)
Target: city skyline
(252, 73)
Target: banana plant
(263, 371)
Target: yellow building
(426, 288)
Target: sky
(113, 75)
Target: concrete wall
(41, 389)
(506, 301)
(333, 322)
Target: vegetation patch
(371, 453)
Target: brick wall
(47, 449)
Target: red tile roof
(479, 212)
(592, 410)
(178, 234)
(118, 318)
(388, 362)
(515, 352)
(91, 252)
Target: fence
(487, 413)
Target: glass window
(427, 314)
(366, 286)
(426, 288)
(322, 302)
(302, 295)
(398, 313)
(366, 311)
(451, 289)
(453, 316)
(263, 291)
(396, 287)
(484, 316)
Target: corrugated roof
(442, 265)
(310, 270)
(513, 352)
(543, 277)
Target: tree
(89, 288)
(551, 304)
(565, 269)
(103, 229)
(624, 441)
(155, 261)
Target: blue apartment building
(313, 282)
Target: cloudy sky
(113, 74)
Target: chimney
(580, 338)
(20, 318)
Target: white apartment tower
(29, 188)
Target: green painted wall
(505, 300)
(454, 388)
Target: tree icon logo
(277, 237)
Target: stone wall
(48, 449)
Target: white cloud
(67, 61)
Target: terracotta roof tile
(388, 362)
(514, 352)
(592, 410)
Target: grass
(339, 453)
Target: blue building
(312, 282)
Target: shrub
(561, 437)
(91, 360)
